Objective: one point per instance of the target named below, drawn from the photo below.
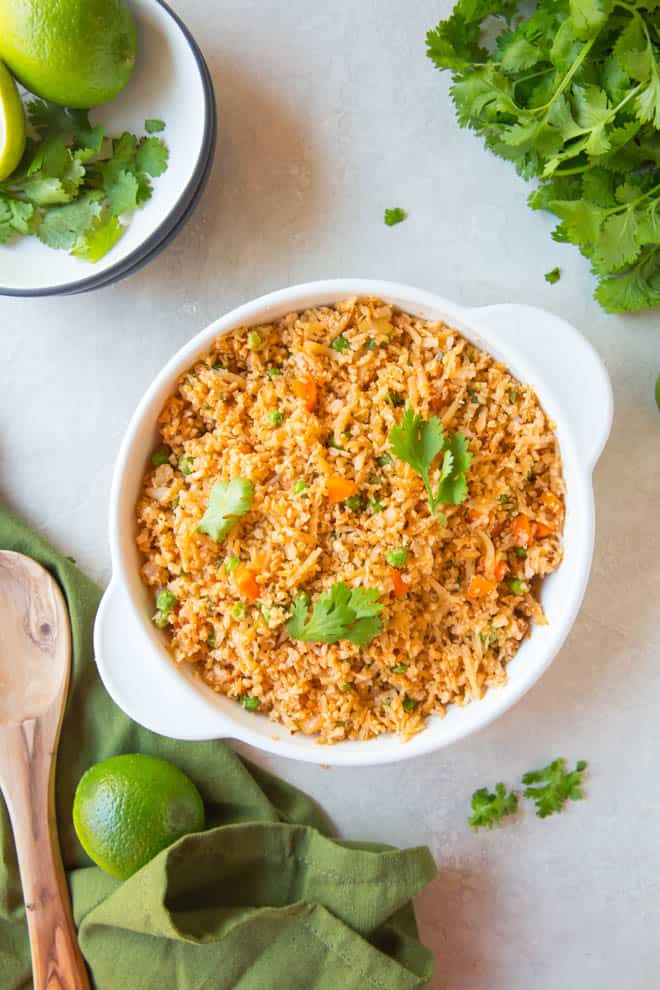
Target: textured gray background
(329, 113)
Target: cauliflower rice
(468, 592)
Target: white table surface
(330, 112)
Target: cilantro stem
(565, 83)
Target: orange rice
(453, 615)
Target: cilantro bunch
(571, 95)
(74, 184)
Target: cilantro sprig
(228, 501)
(551, 787)
(74, 184)
(340, 613)
(418, 442)
(490, 807)
(570, 94)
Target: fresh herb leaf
(394, 216)
(552, 276)
(152, 155)
(340, 613)
(551, 787)
(228, 501)
(490, 807)
(153, 126)
(570, 94)
(340, 344)
(418, 442)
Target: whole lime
(12, 125)
(78, 53)
(126, 809)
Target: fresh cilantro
(340, 344)
(408, 704)
(569, 93)
(490, 807)
(15, 218)
(551, 787)
(152, 155)
(153, 126)
(72, 183)
(552, 276)
(419, 442)
(394, 216)
(400, 668)
(228, 501)
(340, 613)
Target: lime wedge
(12, 124)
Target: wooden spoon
(35, 659)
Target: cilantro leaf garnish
(552, 276)
(418, 442)
(72, 183)
(153, 126)
(228, 501)
(490, 807)
(394, 216)
(340, 613)
(551, 787)
(570, 95)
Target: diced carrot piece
(541, 530)
(245, 579)
(500, 570)
(521, 528)
(479, 587)
(305, 389)
(553, 503)
(339, 488)
(400, 583)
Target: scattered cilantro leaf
(418, 442)
(121, 188)
(394, 216)
(151, 156)
(228, 501)
(103, 233)
(15, 218)
(66, 227)
(340, 613)
(551, 787)
(490, 807)
(553, 276)
(569, 93)
(153, 126)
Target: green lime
(75, 52)
(126, 809)
(12, 125)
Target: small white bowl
(539, 348)
(171, 82)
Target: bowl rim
(180, 211)
(355, 753)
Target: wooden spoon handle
(29, 792)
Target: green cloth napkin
(262, 899)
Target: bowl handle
(570, 365)
(147, 687)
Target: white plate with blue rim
(171, 83)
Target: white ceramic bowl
(171, 82)
(539, 348)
